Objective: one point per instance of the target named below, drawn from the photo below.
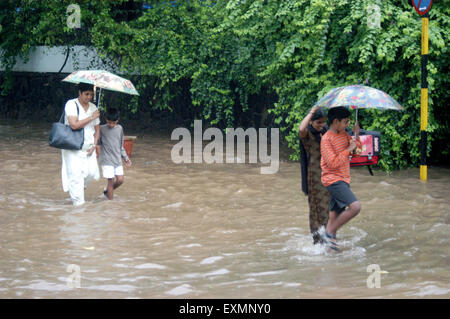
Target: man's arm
(123, 153)
(96, 134)
(332, 159)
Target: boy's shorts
(110, 171)
(341, 196)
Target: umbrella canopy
(102, 79)
(359, 96)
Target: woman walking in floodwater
(79, 167)
(311, 130)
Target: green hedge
(230, 52)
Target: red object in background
(369, 149)
(128, 145)
(128, 142)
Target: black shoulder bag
(64, 137)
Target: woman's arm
(303, 129)
(96, 138)
(76, 124)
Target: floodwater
(210, 231)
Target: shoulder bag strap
(78, 108)
(61, 120)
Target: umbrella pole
(99, 98)
(356, 125)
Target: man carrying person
(335, 148)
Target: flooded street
(210, 231)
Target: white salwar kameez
(79, 169)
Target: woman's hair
(338, 112)
(318, 114)
(82, 87)
(112, 114)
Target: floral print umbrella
(102, 79)
(359, 96)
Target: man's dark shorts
(341, 196)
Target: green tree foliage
(228, 52)
(28, 23)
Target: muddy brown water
(210, 230)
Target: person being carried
(112, 152)
(311, 130)
(335, 148)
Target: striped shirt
(335, 161)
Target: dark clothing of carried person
(318, 196)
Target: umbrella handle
(99, 98)
(356, 123)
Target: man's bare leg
(337, 221)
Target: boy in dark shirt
(112, 152)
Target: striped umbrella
(103, 80)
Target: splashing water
(210, 231)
